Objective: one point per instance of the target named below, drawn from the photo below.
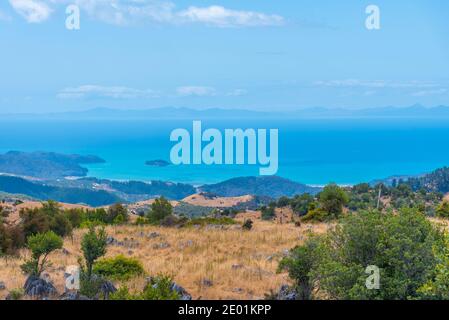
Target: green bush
(160, 209)
(268, 212)
(117, 214)
(443, 210)
(141, 221)
(159, 288)
(402, 245)
(316, 215)
(119, 268)
(16, 294)
(332, 200)
(123, 294)
(90, 286)
(41, 245)
(93, 246)
(247, 224)
(11, 239)
(50, 217)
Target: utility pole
(378, 198)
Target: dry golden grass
(216, 202)
(240, 264)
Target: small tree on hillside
(93, 246)
(299, 265)
(443, 209)
(41, 245)
(333, 199)
(117, 214)
(160, 209)
(268, 212)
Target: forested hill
(271, 186)
(437, 181)
(95, 198)
(46, 165)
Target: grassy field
(239, 264)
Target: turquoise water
(313, 152)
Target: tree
(283, 202)
(49, 217)
(11, 238)
(247, 224)
(443, 209)
(117, 214)
(268, 212)
(93, 246)
(333, 199)
(299, 264)
(41, 245)
(302, 204)
(401, 245)
(437, 288)
(160, 209)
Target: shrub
(268, 212)
(316, 215)
(210, 221)
(41, 245)
(158, 288)
(283, 202)
(117, 214)
(333, 199)
(123, 294)
(171, 221)
(443, 210)
(91, 286)
(437, 288)
(302, 204)
(140, 221)
(11, 239)
(299, 264)
(34, 221)
(247, 225)
(16, 294)
(160, 209)
(93, 246)
(401, 245)
(118, 268)
(49, 217)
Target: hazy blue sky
(255, 54)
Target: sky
(252, 54)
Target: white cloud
(222, 17)
(352, 83)
(237, 93)
(128, 12)
(196, 91)
(33, 11)
(95, 91)
(429, 92)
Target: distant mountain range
(415, 111)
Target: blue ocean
(315, 152)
